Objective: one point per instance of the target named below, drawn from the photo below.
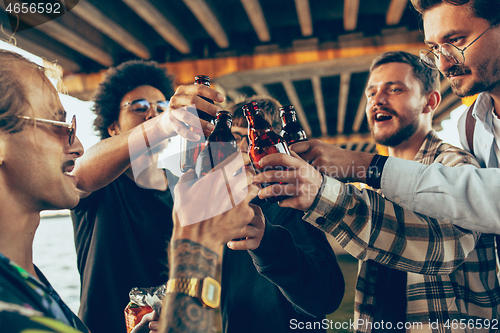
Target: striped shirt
(451, 285)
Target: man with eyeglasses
(464, 40)
(123, 222)
(417, 270)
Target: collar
(483, 105)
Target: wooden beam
(68, 66)
(360, 114)
(237, 72)
(351, 11)
(320, 104)
(256, 17)
(260, 89)
(304, 15)
(345, 81)
(395, 12)
(295, 100)
(69, 38)
(101, 22)
(209, 21)
(158, 22)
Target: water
(54, 254)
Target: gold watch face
(210, 294)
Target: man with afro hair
(122, 229)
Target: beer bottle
(292, 131)
(220, 145)
(262, 139)
(189, 149)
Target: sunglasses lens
(72, 131)
(162, 106)
(139, 106)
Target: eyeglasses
(70, 129)
(450, 52)
(239, 137)
(142, 106)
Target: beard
(485, 79)
(399, 137)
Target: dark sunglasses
(142, 105)
(70, 129)
(239, 137)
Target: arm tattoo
(180, 312)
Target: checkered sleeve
(368, 226)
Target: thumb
(188, 176)
(301, 147)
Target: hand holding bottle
(300, 182)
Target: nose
(243, 145)
(152, 112)
(76, 149)
(378, 98)
(442, 64)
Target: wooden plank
(320, 104)
(360, 114)
(351, 10)
(209, 21)
(295, 100)
(304, 14)
(158, 22)
(395, 12)
(257, 19)
(101, 22)
(345, 81)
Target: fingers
(188, 176)
(190, 94)
(301, 147)
(308, 150)
(285, 160)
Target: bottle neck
(289, 117)
(258, 123)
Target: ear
(433, 100)
(114, 129)
(3, 147)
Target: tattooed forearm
(180, 312)
(190, 259)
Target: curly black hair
(119, 81)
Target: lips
(68, 167)
(381, 116)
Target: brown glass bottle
(292, 132)
(189, 149)
(262, 140)
(220, 145)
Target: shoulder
(452, 156)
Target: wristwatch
(207, 290)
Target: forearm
(304, 267)
(465, 195)
(368, 226)
(109, 158)
(180, 312)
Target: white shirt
(467, 196)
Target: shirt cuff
(399, 180)
(322, 212)
(271, 245)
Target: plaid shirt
(451, 272)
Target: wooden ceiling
(314, 54)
